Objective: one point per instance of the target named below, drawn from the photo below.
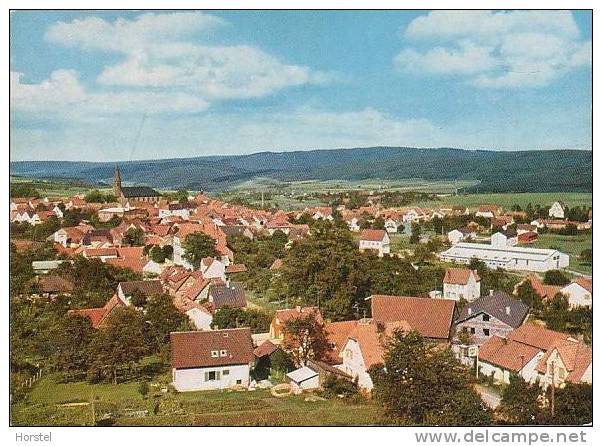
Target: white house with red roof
(460, 283)
(375, 240)
(211, 360)
(579, 292)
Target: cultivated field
(570, 244)
(508, 199)
(52, 404)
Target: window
(226, 372)
(486, 331)
(223, 353)
(239, 381)
(486, 317)
(214, 354)
(212, 376)
(472, 330)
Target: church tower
(117, 183)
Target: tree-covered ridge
(510, 171)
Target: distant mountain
(521, 171)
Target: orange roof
(506, 353)
(236, 268)
(459, 276)
(338, 332)
(98, 315)
(373, 235)
(100, 252)
(131, 251)
(432, 318)
(545, 291)
(277, 264)
(584, 283)
(576, 357)
(371, 338)
(537, 336)
(136, 264)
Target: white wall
(578, 296)
(194, 379)
(353, 364)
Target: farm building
(507, 257)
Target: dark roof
(96, 234)
(193, 348)
(147, 287)
(139, 191)
(55, 284)
(495, 305)
(232, 296)
(265, 349)
(233, 229)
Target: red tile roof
(576, 357)
(193, 349)
(432, 318)
(265, 349)
(506, 353)
(373, 235)
(459, 276)
(584, 283)
(98, 315)
(537, 336)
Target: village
(238, 299)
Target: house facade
(461, 284)
(557, 210)
(579, 293)
(210, 360)
(375, 240)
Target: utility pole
(477, 363)
(553, 387)
(261, 199)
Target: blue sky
(141, 85)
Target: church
(133, 193)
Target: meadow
(50, 403)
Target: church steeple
(117, 183)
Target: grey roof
(495, 305)
(139, 191)
(46, 264)
(147, 287)
(232, 296)
(233, 229)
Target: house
(231, 295)
(544, 291)
(281, 317)
(206, 360)
(508, 257)
(414, 215)
(45, 266)
(198, 315)
(303, 379)
(182, 210)
(524, 228)
(146, 287)
(557, 210)
(365, 347)
(238, 230)
(519, 352)
(527, 237)
(460, 283)
(579, 292)
(496, 314)
(432, 318)
(52, 286)
(375, 239)
(392, 224)
(98, 316)
(566, 361)
(212, 268)
(354, 224)
(505, 238)
(457, 235)
(488, 211)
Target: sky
(124, 85)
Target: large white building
(507, 257)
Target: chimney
(298, 308)
(469, 310)
(508, 310)
(505, 341)
(491, 292)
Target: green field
(58, 188)
(508, 199)
(569, 244)
(43, 407)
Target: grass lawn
(210, 408)
(570, 244)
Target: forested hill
(517, 171)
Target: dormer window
(223, 353)
(214, 354)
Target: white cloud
(158, 52)
(63, 95)
(495, 49)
